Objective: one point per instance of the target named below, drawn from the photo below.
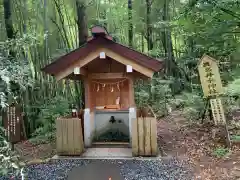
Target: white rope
(104, 84)
(108, 84)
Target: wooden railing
(69, 137)
(144, 136)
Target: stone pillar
(87, 128)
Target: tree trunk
(171, 67)
(8, 23)
(82, 37)
(81, 22)
(130, 24)
(61, 18)
(104, 14)
(142, 42)
(149, 25)
(8, 19)
(167, 42)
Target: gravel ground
(170, 169)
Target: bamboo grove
(34, 33)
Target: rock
(22, 164)
(35, 161)
(47, 160)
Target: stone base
(92, 126)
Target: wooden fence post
(144, 136)
(135, 137)
(69, 138)
(141, 136)
(154, 147)
(147, 135)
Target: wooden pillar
(87, 114)
(131, 92)
(87, 93)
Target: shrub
(49, 112)
(9, 160)
(155, 93)
(192, 104)
(221, 152)
(235, 138)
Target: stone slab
(96, 171)
(108, 152)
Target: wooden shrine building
(108, 70)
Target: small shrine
(108, 70)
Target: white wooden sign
(76, 70)
(102, 55)
(217, 111)
(129, 68)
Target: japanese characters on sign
(210, 77)
(11, 128)
(11, 120)
(217, 111)
(212, 87)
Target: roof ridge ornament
(98, 30)
(101, 31)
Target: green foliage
(221, 152)
(9, 161)
(192, 104)
(15, 73)
(235, 138)
(49, 112)
(195, 27)
(233, 88)
(155, 93)
(232, 92)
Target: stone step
(111, 144)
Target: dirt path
(30, 152)
(195, 145)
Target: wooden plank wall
(69, 137)
(105, 97)
(144, 136)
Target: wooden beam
(143, 70)
(89, 58)
(107, 75)
(87, 93)
(83, 71)
(93, 55)
(78, 63)
(64, 74)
